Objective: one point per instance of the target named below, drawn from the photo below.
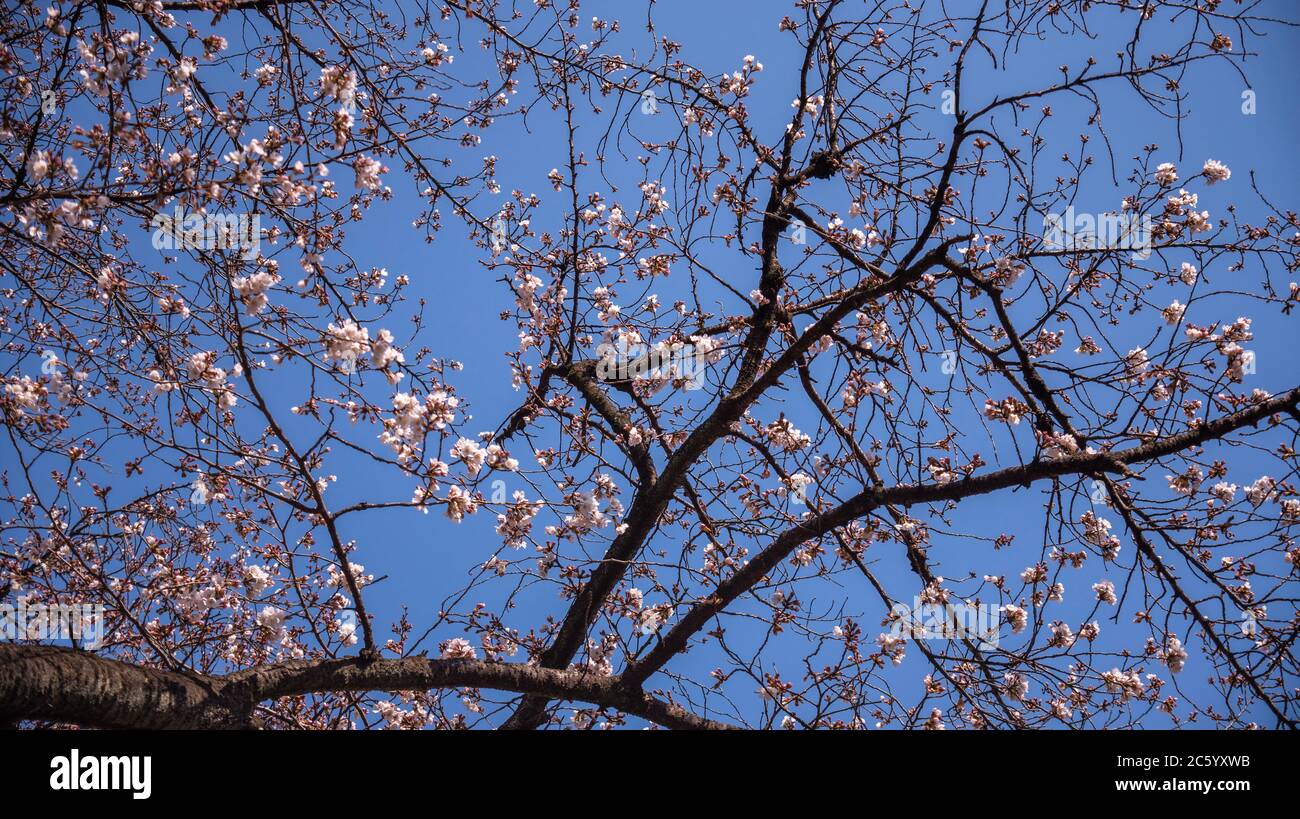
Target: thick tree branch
(65, 685)
(862, 503)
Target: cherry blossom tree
(766, 366)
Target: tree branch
(862, 503)
(66, 685)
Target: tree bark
(66, 685)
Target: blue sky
(425, 559)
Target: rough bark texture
(65, 685)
